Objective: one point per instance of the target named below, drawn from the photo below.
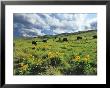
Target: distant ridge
(65, 34)
(77, 32)
(62, 34)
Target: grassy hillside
(56, 57)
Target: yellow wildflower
(77, 58)
(57, 53)
(87, 56)
(53, 54)
(49, 52)
(24, 67)
(85, 59)
(50, 55)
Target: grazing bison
(44, 40)
(94, 37)
(78, 38)
(34, 43)
(55, 37)
(65, 39)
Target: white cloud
(58, 31)
(28, 31)
(92, 20)
(56, 23)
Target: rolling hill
(56, 57)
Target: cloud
(31, 32)
(33, 24)
(92, 20)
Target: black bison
(55, 37)
(34, 42)
(44, 40)
(65, 39)
(78, 38)
(94, 37)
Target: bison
(34, 43)
(65, 39)
(94, 37)
(55, 37)
(78, 38)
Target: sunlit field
(63, 54)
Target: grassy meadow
(56, 57)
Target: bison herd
(58, 40)
(61, 40)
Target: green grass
(75, 57)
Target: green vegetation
(56, 57)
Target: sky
(39, 24)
